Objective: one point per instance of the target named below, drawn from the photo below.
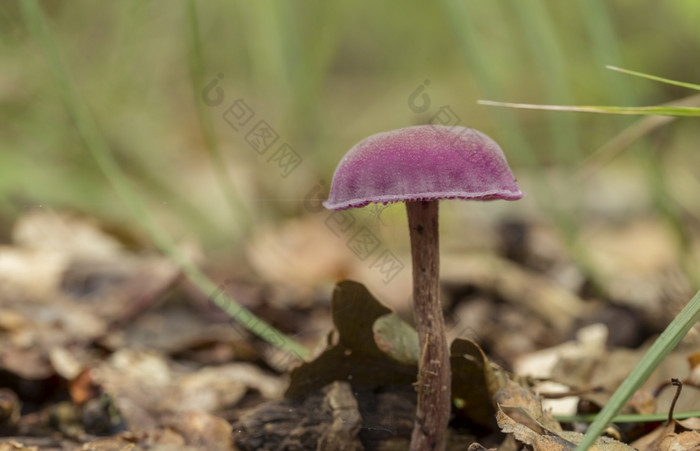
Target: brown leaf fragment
(689, 440)
(30, 273)
(25, 363)
(202, 430)
(215, 388)
(559, 307)
(475, 382)
(691, 424)
(520, 413)
(66, 232)
(669, 434)
(533, 438)
(13, 445)
(552, 440)
(526, 407)
(163, 438)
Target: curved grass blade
(660, 110)
(655, 78)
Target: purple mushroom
(420, 165)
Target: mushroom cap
(423, 162)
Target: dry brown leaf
(30, 273)
(691, 424)
(298, 255)
(520, 413)
(214, 388)
(558, 306)
(689, 440)
(13, 445)
(302, 254)
(526, 405)
(144, 385)
(202, 430)
(70, 234)
(548, 440)
(676, 435)
(637, 264)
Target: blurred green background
(324, 75)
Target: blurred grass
(99, 150)
(323, 75)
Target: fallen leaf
(521, 286)
(689, 440)
(397, 339)
(674, 435)
(352, 354)
(557, 440)
(475, 382)
(201, 430)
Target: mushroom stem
(434, 378)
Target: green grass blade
(628, 418)
(660, 110)
(95, 143)
(655, 78)
(668, 340)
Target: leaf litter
(103, 345)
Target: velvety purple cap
(422, 163)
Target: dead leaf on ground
(475, 382)
(672, 436)
(546, 440)
(520, 412)
(66, 283)
(201, 430)
(352, 354)
(144, 385)
(516, 284)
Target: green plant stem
(627, 418)
(97, 146)
(663, 345)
